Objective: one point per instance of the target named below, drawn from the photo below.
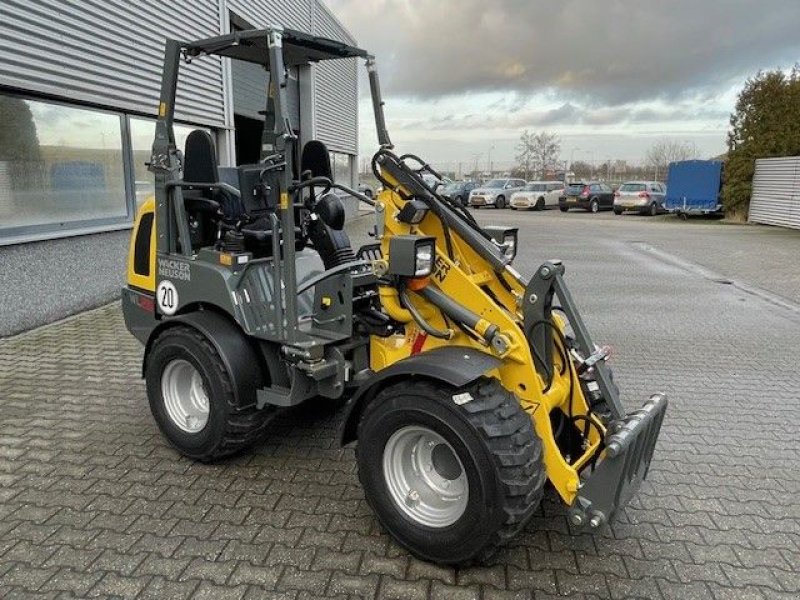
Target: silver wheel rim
(425, 477)
(185, 398)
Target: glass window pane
(58, 164)
(341, 168)
(142, 133)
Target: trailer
(693, 187)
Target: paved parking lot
(93, 503)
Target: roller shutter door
(775, 199)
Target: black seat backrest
(317, 159)
(200, 168)
(200, 158)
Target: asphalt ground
(93, 503)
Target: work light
(411, 255)
(413, 212)
(423, 260)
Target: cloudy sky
(463, 78)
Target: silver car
(644, 197)
(495, 192)
(538, 195)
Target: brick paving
(93, 503)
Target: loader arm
(512, 320)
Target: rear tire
(187, 378)
(563, 208)
(617, 211)
(539, 204)
(500, 202)
(488, 481)
(653, 210)
(594, 206)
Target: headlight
(424, 260)
(411, 255)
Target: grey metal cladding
(336, 86)
(295, 14)
(113, 53)
(260, 13)
(775, 199)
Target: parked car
(495, 192)
(459, 191)
(593, 196)
(694, 187)
(434, 182)
(538, 195)
(644, 197)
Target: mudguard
(241, 360)
(454, 365)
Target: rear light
(616, 194)
(585, 191)
(644, 195)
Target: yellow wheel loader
(468, 388)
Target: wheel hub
(185, 398)
(425, 477)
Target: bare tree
(665, 151)
(546, 150)
(525, 153)
(537, 152)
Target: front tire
(500, 202)
(539, 204)
(192, 398)
(563, 208)
(450, 482)
(618, 211)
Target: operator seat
(199, 168)
(326, 228)
(206, 206)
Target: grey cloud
(569, 114)
(598, 53)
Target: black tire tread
(244, 426)
(508, 434)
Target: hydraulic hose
(420, 320)
(459, 313)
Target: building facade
(79, 87)
(775, 199)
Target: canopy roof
(251, 45)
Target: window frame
(23, 234)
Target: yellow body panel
(467, 278)
(143, 282)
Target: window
(340, 163)
(632, 187)
(141, 254)
(142, 133)
(61, 167)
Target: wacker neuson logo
(174, 269)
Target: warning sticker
(167, 297)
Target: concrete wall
(46, 281)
